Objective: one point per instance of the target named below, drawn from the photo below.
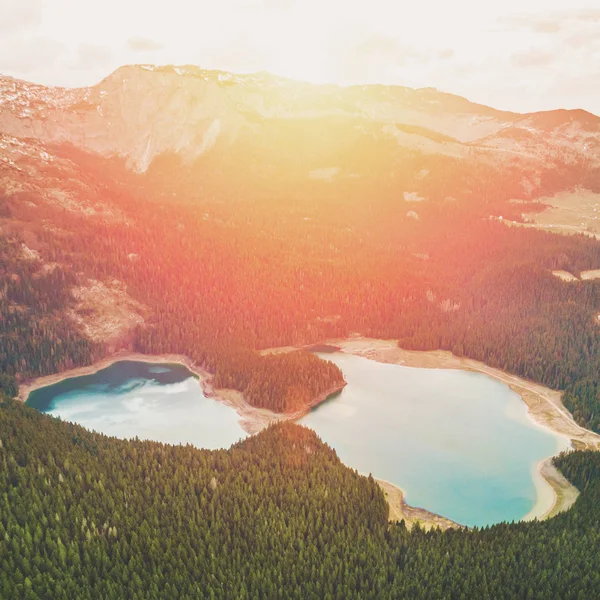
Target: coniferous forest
(225, 276)
(276, 516)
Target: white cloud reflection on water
(176, 413)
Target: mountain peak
(140, 112)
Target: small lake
(459, 444)
(161, 402)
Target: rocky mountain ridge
(141, 112)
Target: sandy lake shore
(555, 493)
(399, 510)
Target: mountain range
(142, 114)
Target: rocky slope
(140, 113)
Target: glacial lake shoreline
(260, 416)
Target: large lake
(459, 444)
(161, 402)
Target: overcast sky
(514, 54)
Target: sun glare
(301, 64)
(299, 48)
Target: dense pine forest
(276, 516)
(225, 275)
(35, 336)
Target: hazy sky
(514, 54)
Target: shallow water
(162, 402)
(459, 444)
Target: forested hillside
(35, 336)
(38, 335)
(276, 516)
(223, 275)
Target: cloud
(284, 6)
(141, 44)
(589, 15)
(584, 38)
(377, 43)
(552, 22)
(394, 52)
(546, 26)
(92, 56)
(446, 54)
(27, 56)
(533, 58)
(18, 15)
(377, 47)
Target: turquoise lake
(459, 444)
(161, 402)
